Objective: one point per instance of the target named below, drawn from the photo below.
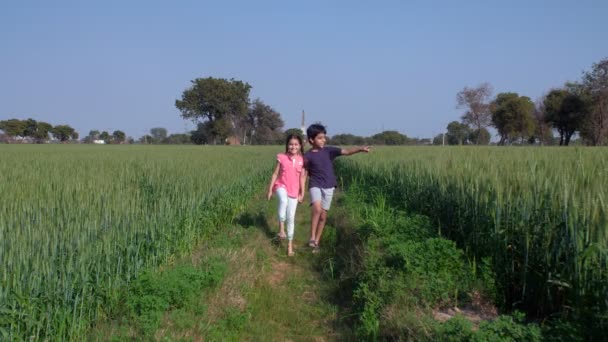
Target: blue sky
(357, 66)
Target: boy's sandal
(291, 253)
(316, 250)
(312, 243)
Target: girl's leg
(282, 196)
(292, 204)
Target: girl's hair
(294, 136)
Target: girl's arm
(273, 179)
(351, 151)
(302, 185)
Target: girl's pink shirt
(290, 169)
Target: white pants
(287, 210)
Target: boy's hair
(314, 130)
(294, 136)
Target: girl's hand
(364, 149)
(301, 197)
(269, 196)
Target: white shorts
(323, 195)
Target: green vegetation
(166, 242)
(263, 295)
(538, 215)
(80, 223)
(395, 274)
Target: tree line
(39, 132)
(390, 138)
(579, 107)
(223, 113)
(34, 131)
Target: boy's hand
(353, 150)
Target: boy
(318, 164)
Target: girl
(285, 182)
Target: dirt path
(265, 295)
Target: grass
(264, 294)
(80, 223)
(83, 227)
(539, 214)
(286, 297)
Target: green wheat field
(79, 224)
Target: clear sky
(357, 66)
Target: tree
(31, 128)
(595, 84)
(119, 136)
(294, 131)
(389, 138)
(105, 136)
(159, 134)
(13, 127)
(348, 139)
(512, 117)
(221, 103)
(74, 135)
(39, 131)
(42, 130)
(202, 134)
(262, 125)
(94, 134)
(480, 136)
(438, 139)
(146, 139)
(476, 103)
(62, 133)
(543, 133)
(565, 111)
(458, 133)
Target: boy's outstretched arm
(353, 150)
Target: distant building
(303, 127)
(99, 142)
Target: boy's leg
(314, 221)
(321, 225)
(327, 196)
(315, 202)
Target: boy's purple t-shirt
(320, 167)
